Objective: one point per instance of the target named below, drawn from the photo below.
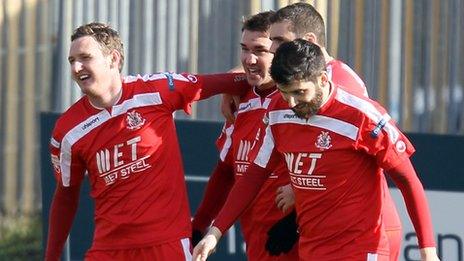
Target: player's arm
(179, 91)
(405, 178)
(240, 197)
(62, 212)
(230, 83)
(229, 103)
(216, 192)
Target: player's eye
(298, 92)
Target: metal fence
(409, 52)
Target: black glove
(197, 236)
(282, 235)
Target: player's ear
(324, 79)
(115, 59)
(310, 37)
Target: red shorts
(310, 252)
(178, 250)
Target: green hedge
(21, 240)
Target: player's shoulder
(155, 77)
(277, 103)
(157, 82)
(358, 106)
(346, 77)
(70, 118)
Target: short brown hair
(107, 37)
(260, 22)
(304, 18)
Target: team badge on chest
(323, 141)
(134, 120)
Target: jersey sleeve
(380, 137)
(219, 185)
(341, 74)
(67, 167)
(179, 91)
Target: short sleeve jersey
(131, 155)
(335, 170)
(236, 143)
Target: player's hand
(207, 245)
(285, 198)
(197, 235)
(283, 235)
(229, 106)
(429, 254)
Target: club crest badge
(134, 120)
(323, 141)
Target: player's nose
(291, 101)
(76, 67)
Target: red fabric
(216, 192)
(62, 212)
(230, 83)
(394, 239)
(306, 255)
(131, 154)
(348, 80)
(341, 74)
(236, 144)
(335, 160)
(241, 196)
(175, 250)
(132, 157)
(406, 180)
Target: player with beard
(334, 148)
(301, 20)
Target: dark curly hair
(296, 61)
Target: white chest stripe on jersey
(288, 116)
(370, 111)
(139, 100)
(75, 134)
(92, 122)
(226, 148)
(265, 151)
(253, 104)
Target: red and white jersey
(341, 74)
(335, 169)
(235, 145)
(131, 155)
